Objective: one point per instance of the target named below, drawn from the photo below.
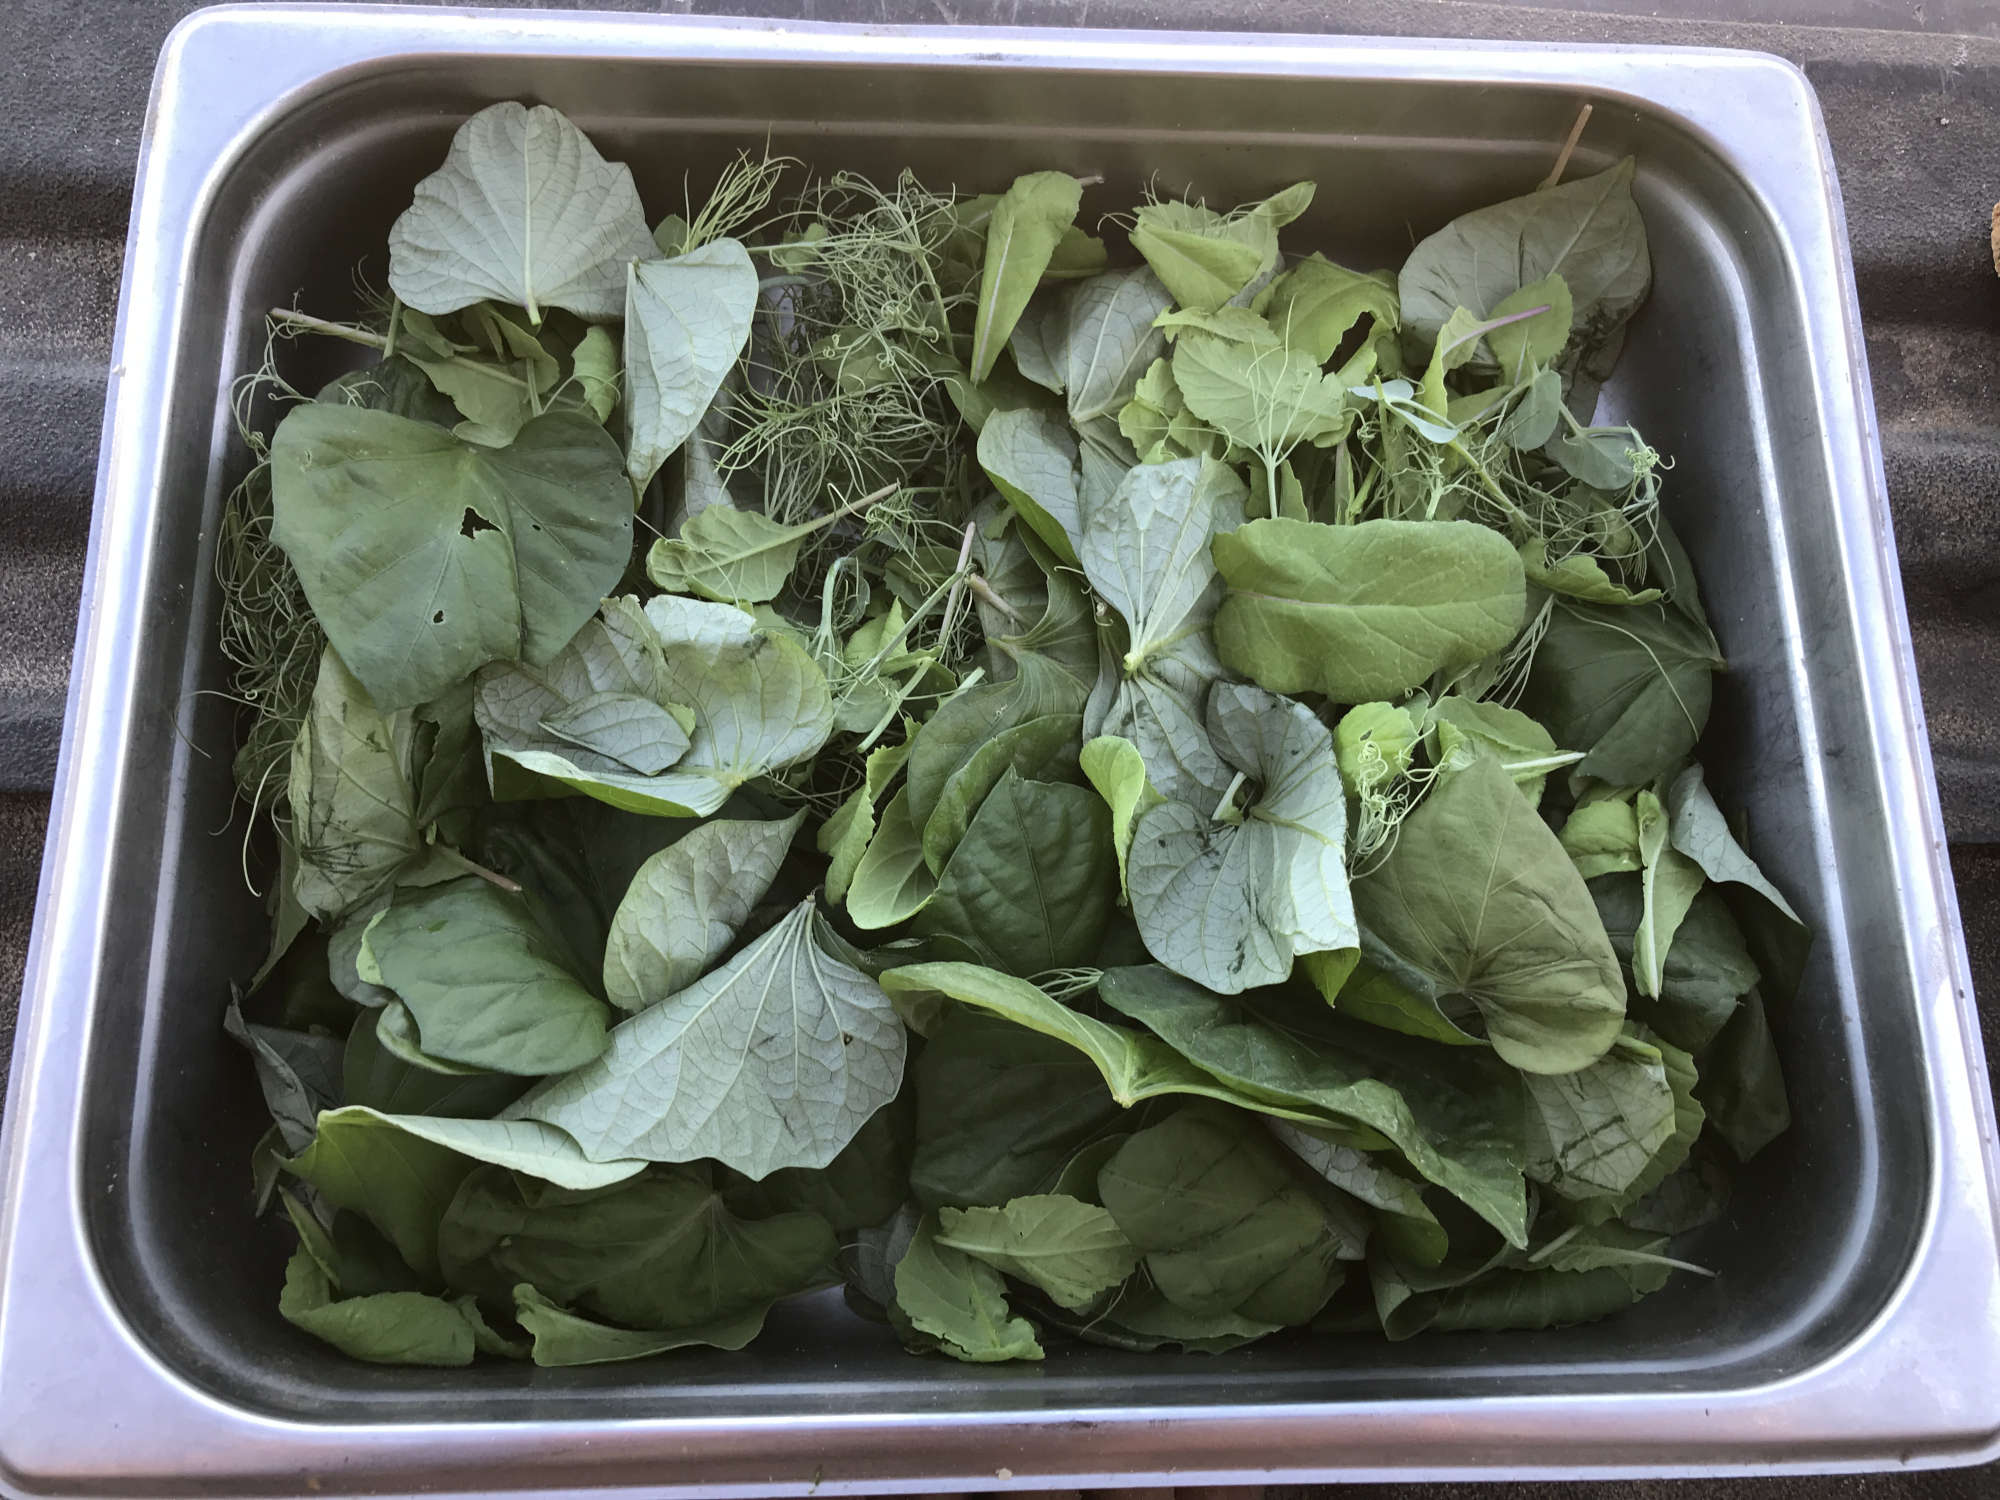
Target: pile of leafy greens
(843, 738)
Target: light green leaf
(1314, 304)
(1107, 340)
(1600, 457)
(425, 556)
(759, 703)
(565, 1338)
(722, 553)
(1031, 457)
(488, 987)
(1366, 611)
(1380, 988)
(662, 1251)
(596, 364)
(1028, 222)
(686, 320)
(1036, 345)
(524, 1146)
(1669, 881)
(1631, 686)
(1118, 772)
(396, 1030)
(1534, 340)
(1479, 898)
(1235, 325)
(1456, 343)
(525, 211)
(1373, 744)
(1468, 728)
(389, 1328)
(640, 735)
(1146, 421)
(687, 903)
(845, 836)
(1231, 905)
(1708, 968)
(1268, 398)
(773, 1060)
(891, 882)
(1074, 1252)
(959, 1301)
(1145, 550)
(1206, 258)
(1225, 1224)
(495, 398)
(1190, 250)
(1030, 885)
(1532, 420)
(1452, 1118)
(1578, 576)
(1602, 838)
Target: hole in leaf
(438, 618)
(474, 523)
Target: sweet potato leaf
(686, 904)
(773, 1060)
(1367, 611)
(525, 211)
(1479, 898)
(426, 556)
(1232, 901)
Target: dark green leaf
(390, 1328)
(1454, 1122)
(1479, 897)
(1631, 686)
(487, 986)
(425, 556)
(1742, 1086)
(661, 1251)
(1031, 885)
(1225, 1224)
(1000, 1109)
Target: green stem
(347, 331)
(473, 867)
(1228, 795)
(1491, 484)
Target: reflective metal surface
(1856, 1321)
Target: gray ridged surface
(1915, 119)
